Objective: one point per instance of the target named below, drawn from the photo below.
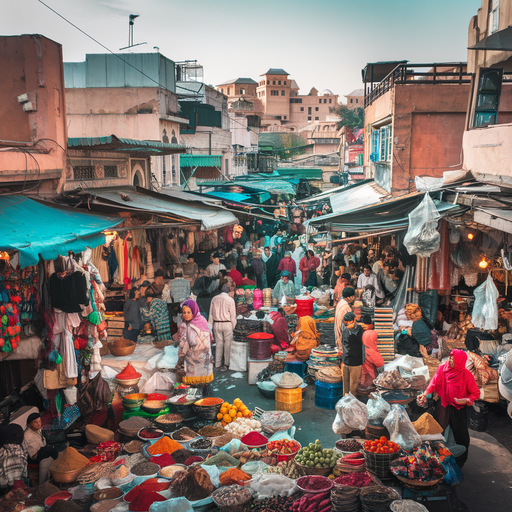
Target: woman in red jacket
(457, 389)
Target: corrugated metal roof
(211, 216)
(275, 71)
(356, 197)
(201, 160)
(308, 173)
(114, 143)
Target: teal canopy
(34, 229)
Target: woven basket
(387, 494)
(418, 483)
(122, 347)
(314, 471)
(378, 464)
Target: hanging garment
(68, 292)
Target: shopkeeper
(457, 389)
(284, 287)
(157, 286)
(35, 443)
(132, 318)
(353, 353)
(414, 341)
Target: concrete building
(277, 102)
(33, 131)
(415, 118)
(131, 96)
(355, 99)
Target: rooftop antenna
(130, 32)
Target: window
(316, 109)
(228, 91)
(273, 82)
(284, 117)
(279, 82)
(330, 100)
(494, 15)
(242, 90)
(488, 97)
(83, 172)
(381, 144)
(226, 166)
(302, 109)
(309, 118)
(317, 118)
(110, 171)
(285, 82)
(325, 101)
(309, 110)
(274, 93)
(320, 100)
(351, 100)
(283, 93)
(268, 82)
(357, 101)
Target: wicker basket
(122, 347)
(378, 464)
(66, 477)
(389, 495)
(418, 483)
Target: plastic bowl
(62, 495)
(206, 412)
(267, 393)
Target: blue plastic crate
(325, 403)
(297, 367)
(327, 390)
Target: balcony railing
(420, 74)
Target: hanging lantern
(4, 256)
(484, 263)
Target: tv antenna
(130, 32)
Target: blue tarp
(34, 229)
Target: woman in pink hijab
(457, 389)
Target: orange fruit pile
(229, 412)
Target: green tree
(349, 117)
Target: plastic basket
(291, 408)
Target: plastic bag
(453, 473)
(401, 429)
(377, 409)
(422, 237)
(272, 485)
(172, 505)
(351, 414)
(465, 256)
(406, 362)
(485, 309)
(234, 446)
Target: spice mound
(168, 419)
(194, 484)
(210, 431)
(222, 459)
(231, 496)
(157, 396)
(120, 472)
(150, 433)
(314, 483)
(164, 445)
(69, 460)
(201, 444)
(168, 472)
(184, 434)
(134, 423)
(180, 456)
(205, 402)
(162, 460)
(145, 468)
(193, 459)
(144, 500)
(233, 476)
(356, 479)
(426, 425)
(128, 373)
(287, 379)
(254, 439)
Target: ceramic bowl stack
(133, 401)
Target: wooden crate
(114, 333)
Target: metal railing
(420, 74)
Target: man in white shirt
(177, 290)
(212, 270)
(368, 277)
(223, 319)
(344, 306)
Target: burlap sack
(97, 435)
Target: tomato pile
(381, 445)
(283, 447)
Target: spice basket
(66, 477)
(377, 499)
(202, 452)
(108, 494)
(300, 481)
(378, 464)
(344, 452)
(242, 504)
(168, 423)
(207, 412)
(149, 440)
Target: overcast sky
(321, 43)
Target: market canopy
(383, 216)
(33, 228)
(185, 207)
